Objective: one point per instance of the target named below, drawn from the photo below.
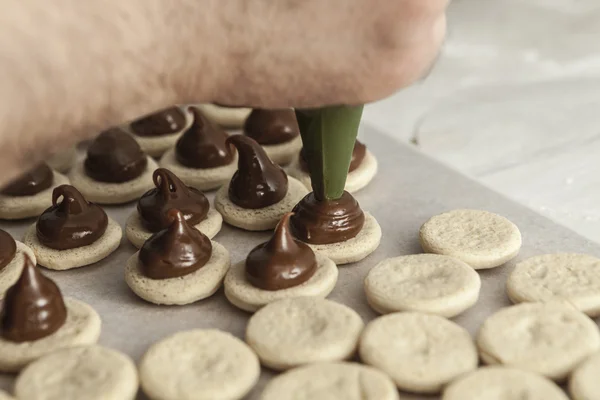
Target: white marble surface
(514, 101)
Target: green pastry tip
(328, 136)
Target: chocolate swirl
(176, 251)
(272, 126)
(33, 307)
(328, 221)
(74, 222)
(282, 262)
(115, 157)
(166, 122)
(32, 182)
(358, 155)
(170, 193)
(8, 248)
(203, 145)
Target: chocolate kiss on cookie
(72, 232)
(35, 312)
(32, 182)
(12, 256)
(165, 122)
(8, 249)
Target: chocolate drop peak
(8, 249)
(269, 127)
(165, 122)
(32, 182)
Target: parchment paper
(408, 189)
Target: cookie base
(283, 153)
(63, 160)
(226, 117)
(11, 271)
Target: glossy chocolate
(358, 155)
(166, 122)
(326, 221)
(32, 182)
(282, 262)
(170, 193)
(72, 222)
(176, 251)
(115, 157)
(272, 126)
(8, 248)
(33, 307)
(258, 182)
(203, 145)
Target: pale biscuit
(479, 238)
(420, 352)
(78, 257)
(11, 271)
(227, 117)
(199, 365)
(5, 396)
(112, 193)
(503, 384)
(338, 380)
(356, 180)
(247, 297)
(181, 290)
(356, 248)
(585, 381)
(87, 372)
(200, 178)
(283, 153)
(138, 234)
(63, 160)
(571, 277)
(303, 330)
(82, 327)
(550, 339)
(259, 219)
(429, 283)
(21, 207)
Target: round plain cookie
(5, 396)
(480, 238)
(82, 327)
(303, 330)
(356, 180)
(63, 160)
(550, 339)
(87, 372)
(11, 271)
(356, 248)
(227, 117)
(200, 178)
(571, 277)
(420, 352)
(500, 383)
(247, 297)
(284, 153)
(78, 257)
(585, 383)
(186, 289)
(21, 207)
(336, 380)
(138, 234)
(429, 283)
(259, 219)
(112, 193)
(199, 365)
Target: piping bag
(328, 136)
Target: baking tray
(408, 189)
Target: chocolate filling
(170, 193)
(115, 157)
(258, 182)
(282, 262)
(203, 145)
(32, 182)
(358, 155)
(165, 122)
(74, 222)
(327, 221)
(176, 251)
(272, 126)
(33, 307)
(8, 249)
